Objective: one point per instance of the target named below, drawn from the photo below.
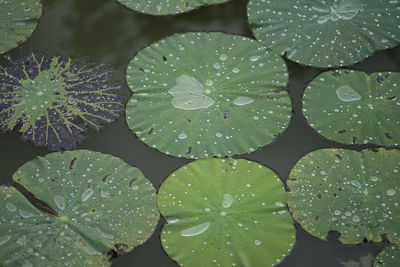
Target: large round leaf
(355, 108)
(354, 193)
(389, 257)
(207, 94)
(102, 204)
(165, 7)
(53, 101)
(225, 212)
(326, 33)
(18, 19)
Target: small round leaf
(326, 33)
(53, 101)
(225, 212)
(102, 205)
(200, 95)
(355, 108)
(389, 257)
(354, 193)
(166, 7)
(18, 19)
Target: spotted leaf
(53, 101)
(326, 33)
(355, 108)
(18, 19)
(101, 205)
(225, 212)
(354, 193)
(389, 257)
(166, 7)
(199, 95)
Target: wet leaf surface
(199, 95)
(326, 33)
(103, 206)
(166, 7)
(353, 107)
(354, 193)
(54, 101)
(18, 19)
(225, 212)
(388, 257)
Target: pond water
(105, 31)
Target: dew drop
(242, 100)
(86, 194)
(347, 94)
(235, 70)
(255, 117)
(257, 242)
(25, 214)
(356, 183)
(227, 200)
(337, 212)
(4, 239)
(217, 66)
(356, 218)
(105, 235)
(279, 204)
(374, 178)
(60, 202)
(11, 207)
(105, 195)
(182, 136)
(223, 57)
(219, 135)
(196, 230)
(391, 192)
(255, 58)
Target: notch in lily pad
(388, 257)
(326, 33)
(53, 101)
(18, 19)
(199, 95)
(354, 193)
(101, 205)
(167, 7)
(353, 107)
(225, 212)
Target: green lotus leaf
(167, 7)
(200, 95)
(225, 212)
(18, 19)
(326, 33)
(389, 257)
(355, 108)
(54, 101)
(101, 206)
(354, 193)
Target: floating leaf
(102, 204)
(326, 33)
(53, 101)
(225, 212)
(207, 94)
(166, 7)
(354, 193)
(355, 108)
(389, 257)
(18, 19)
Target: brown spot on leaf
(71, 164)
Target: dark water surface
(105, 31)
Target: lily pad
(200, 95)
(102, 205)
(54, 101)
(225, 212)
(326, 33)
(167, 7)
(18, 19)
(355, 108)
(389, 257)
(354, 193)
